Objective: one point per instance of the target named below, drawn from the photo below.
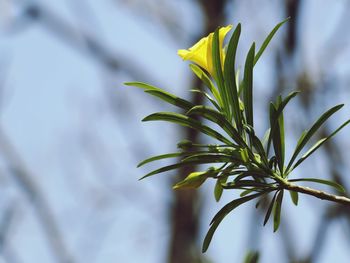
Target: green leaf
(218, 188)
(217, 106)
(159, 157)
(277, 211)
(245, 183)
(187, 122)
(193, 180)
(294, 196)
(257, 144)
(230, 78)
(187, 162)
(206, 80)
(222, 214)
(211, 158)
(170, 98)
(162, 94)
(141, 85)
(277, 136)
(218, 71)
(220, 120)
(268, 39)
(306, 137)
(279, 111)
(269, 210)
(248, 86)
(169, 168)
(252, 257)
(321, 181)
(319, 144)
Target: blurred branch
(80, 41)
(163, 13)
(36, 198)
(6, 225)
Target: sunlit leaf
(319, 144)
(218, 188)
(215, 104)
(170, 98)
(248, 86)
(220, 120)
(211, 157)
(279, 111)
(193, 180)
(217, 64)
(162, 94)
(268, 39)
(187, 122)
(306, 137)
(208, 83)
(159, 157)
(230, 78)
(277, 136)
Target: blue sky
(57, 112)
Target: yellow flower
(201, 52)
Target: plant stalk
(317, 193)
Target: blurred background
(71, 132)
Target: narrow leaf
(141, 85)
(169, 168)
(187, 122)
(222, 214)
(170, 98)
(159, 157)
(277, 211)
(312, 131)
(279, 111)
(269, 210)
(248, 86)
(277, 136)
(216, 105)
(294, 196)
(319, 144)
(230, 78)
(211, 158)
(208, 83)
(216, 54)
(162, 94)
(219, 119)
(268, 39)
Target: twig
(37, 199)
(316, 193)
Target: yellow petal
(201, 52)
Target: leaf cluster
(239, 160)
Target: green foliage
(251, 257)
(244, 161)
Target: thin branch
(317, 193)
(84, 42)
(37, 199)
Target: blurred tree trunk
(185, 210)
